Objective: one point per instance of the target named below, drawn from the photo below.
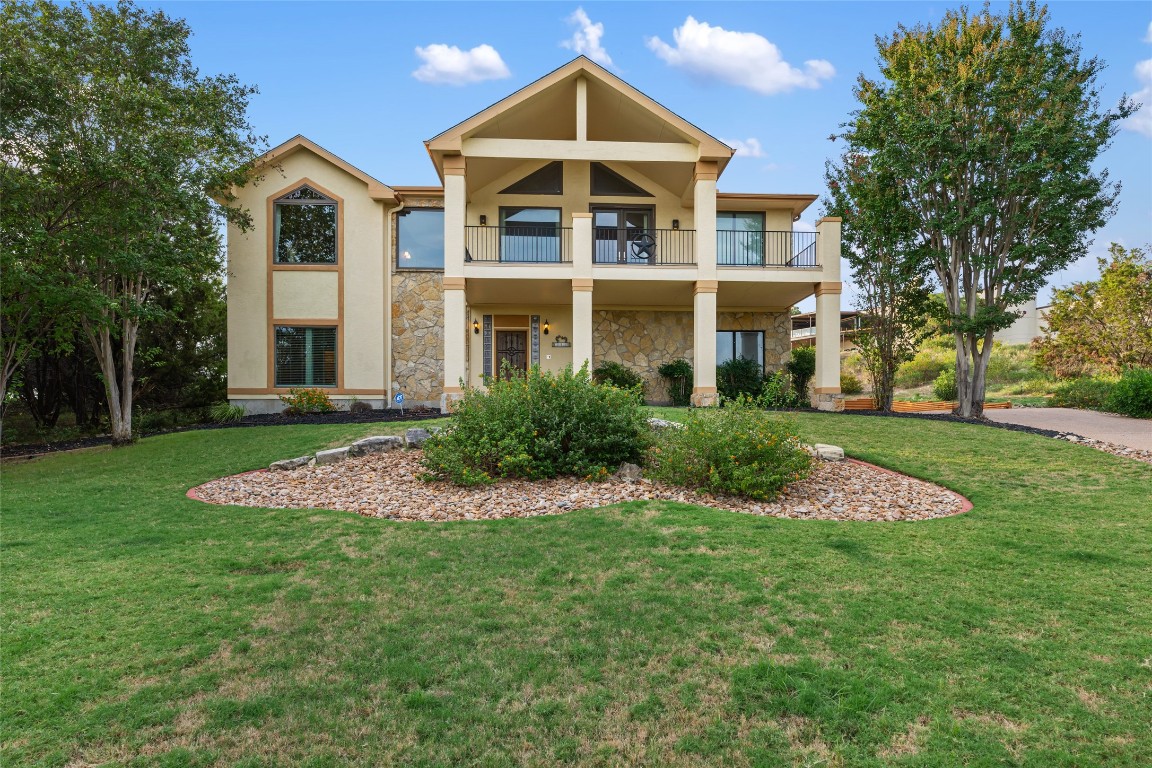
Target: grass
(144, 628)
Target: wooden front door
(511, 347)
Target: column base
(704, 397)
(451, 396)
(828, 401)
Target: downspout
(389, 265)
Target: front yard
(142, 627)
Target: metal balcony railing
(735, 248)
(637, 247)
(518, 244)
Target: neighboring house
(804, 329)
(1030, 325)
(578, 221)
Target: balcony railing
(638, 247)
(518, 244)
(737, 248)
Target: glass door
(623, 235)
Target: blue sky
(372, 80)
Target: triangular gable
(451, 140)
(548, 180)
(377, 190)
(607, 183)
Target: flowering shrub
(302, 400)
(737, 450)
(777, 392)
(538, 425)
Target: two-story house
(578, 222)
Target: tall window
(420, 240)
(530, 234)
(739, 238)
(305, 228)
(305, 356)
(748, 345)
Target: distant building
(1031, 325)
(804, 329)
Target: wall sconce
(483, 220)
(545, 327)
(475, 325)
(675, 223)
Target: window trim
(330, 199)
(396, 217)
(338, 363)
(734, 331)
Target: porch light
(545, 327)
(475, 325)
(483, 220)
(675, 223)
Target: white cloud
(749, 147)
(586, 38)
(745, 59)
(447, 64)
(1148, 37)
(1141, 122)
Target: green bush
(1083, 393)
(1132, 395)
(925, 367)
(616, 375)
(301, 400)
(538, 425)
(678, 374)
(226, 413)
(777, 392)
(738, 450)
(739, 377)
(802, 367)
(945, 387)
(850, 385)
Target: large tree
(888, 268)
(1102, 326)
(988, 126)
(132, 154)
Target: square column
(455, 208)
(826, 383)
(704, 215)
(455, 342)
(704, 343)
(581, 323)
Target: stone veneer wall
(643, 340)
(418, 335)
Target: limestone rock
(416, 436)
(664, 424)
(331, 456)
(375, 444)
(286, 464)
(828, 452)
(629, 473)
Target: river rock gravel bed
(388, 486)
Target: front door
(511, 350)
(616, 229)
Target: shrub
(802, 367)
(850, 385)
(678, 374)
(1132, 395)
(945, 387)
(303, 400)
(538, 425)
(739, 377)
(359, 408)
(226, 413)
(737, 450)
(616, 375)
(777, 392)
(1083, 393)
(925, 367)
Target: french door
(619, 234)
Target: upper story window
(607, 183)
(530, 234)
(305, 228)
(420, 239)
(548, 180)
(740, 237)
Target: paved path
(1134, 433)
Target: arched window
(305, 228)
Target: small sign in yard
(400, 401)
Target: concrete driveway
(1134, 433)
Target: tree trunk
(963, 383)
(117, 383)
(973, 351)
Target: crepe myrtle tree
(128, 155)
(988, 126)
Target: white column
(581, 290)
(455, 302)
(827, 379)
(704, 343)
(455, 207)
(704, 203)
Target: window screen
(305, 228)
(305, 356)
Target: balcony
(543, 244)
(634, 246)
(736, 248)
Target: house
(578, 221)
(1031, 324)
(804, 329)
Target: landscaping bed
(388, 486)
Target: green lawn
(143, 628)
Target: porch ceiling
(762, 295)
(673, 294)
(518, 291)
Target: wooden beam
(581, 109)
(619, 151)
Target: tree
(889, 268)
(1105, 325)
(988, 126)
(134, 150)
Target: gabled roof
(450, 140)
(377, 189)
